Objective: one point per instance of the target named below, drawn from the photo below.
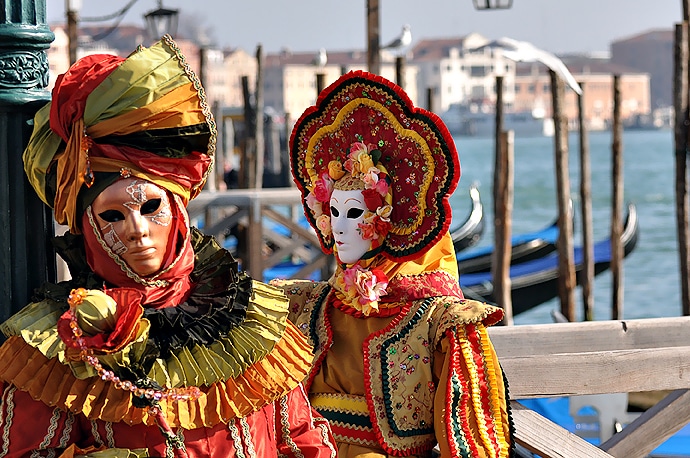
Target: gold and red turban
(145, 115)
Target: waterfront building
(650, 52)
(533, 90)
(461, 70)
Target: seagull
(320, 59)
(522, 51)
(402, 41)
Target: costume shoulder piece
(451, 311)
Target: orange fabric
(179, 107)
(53, 383)
(70, 170)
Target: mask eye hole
(334, 211)
(354, 213)
(150, 206)
(112, 216)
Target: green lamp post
(26, 258)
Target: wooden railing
(221, 210)
(570, 359)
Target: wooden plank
(307, 234)
(544, 339)
(652, 428)
(621, 371)
(547, 439)
(217, 229)
(243, 198)
(286, 246)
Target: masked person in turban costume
(158, 345)
(402, 361)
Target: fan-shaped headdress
(365, 129)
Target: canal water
(650, 272)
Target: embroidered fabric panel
(400, 357)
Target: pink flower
(314, 204)
(356, 148)
(323, 188)
(371, 285)
(367, 230)
(382, 187)
(371, 177)
(323, 223)
(368, 285)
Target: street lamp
(161, 21)
(492, 4)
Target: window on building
(477, 71)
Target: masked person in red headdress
(402, 361)
(158, 345)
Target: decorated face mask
(347, 214)
(135, 220)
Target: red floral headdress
(365, 126)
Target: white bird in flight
(321, 58)
(402, 41)
(522, 51)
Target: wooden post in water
(430, 99)
(587, 273)
(502, 210)
(320, 83)
(566, 269)
(681, 93)
(259, 141)
(503, 227)
(247, 173)
(400, 71)
(617, 204)
(373, 37)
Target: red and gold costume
(196, 360)
(402, 360)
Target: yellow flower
(365, 162)
(335, 170)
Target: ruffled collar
(216, 303)
(231, 337)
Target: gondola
(468, 233)
(524, 247)
(535, 282)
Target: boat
(468, 233)
(479, 120)
(535, 282)
(524, 247)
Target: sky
(559, 26)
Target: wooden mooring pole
(503, 224)
(259, 142)
(586, 210)
(566, 268)
(617, 205)
(502, 210)
(400, 71)
(681, 57)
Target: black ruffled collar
(216, 304)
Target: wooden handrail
(617, 356)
